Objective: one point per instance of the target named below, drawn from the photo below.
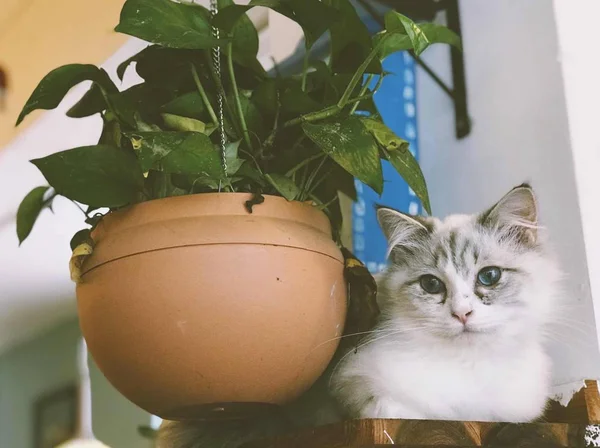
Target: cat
(464, 305)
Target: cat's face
(472, 275)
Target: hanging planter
(209, 275)
(193, 300)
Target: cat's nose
(462, 316)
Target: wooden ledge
(571, 426)
(427, 433)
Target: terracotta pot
(191, 300)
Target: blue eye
(489, 276)
(432, 284)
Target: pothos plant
(294, 136)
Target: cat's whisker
(347, 336)
(573, 326)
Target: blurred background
(520, 104)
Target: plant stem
(305, 70)
(298, 142)
(304, 162)
(160, 182)
(323, 113)
(276, 68)
(327, 204)
(202, 93)
(362, 92)
(319, 182)
(311, 178)
(108, 102)
(358, 75)
(303, 182)
(236, 95)
(76, 204)
(253, 159)
(379, 82)
(270, 140)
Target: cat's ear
(516, 212)
(401, 229)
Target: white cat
(464, 304)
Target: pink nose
(462, 317)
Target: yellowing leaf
(79, 255)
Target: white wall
(577, 24)
(520, 133)
(35, 289)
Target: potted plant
(208, 272)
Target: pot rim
(174, 223)
(227, 204)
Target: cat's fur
(424, 363)
(419, 362)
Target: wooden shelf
(560, 427)
(424, 433)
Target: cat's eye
(432, 284)
(489, 276)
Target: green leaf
(102, 176)
(111, 131)
(187, 105)
(391, 43)
(123, 66)
(163, 66)
(254, 119)
(351, 41)
(178, 123)
(245, 37)
(249, 172)
(29, 210)
(231, 156)
(265, 96)
(83, 236)
(352, 146)
(229, 16)
(93, 101)
(177, 152)
(384, 136)
(339, 179)
(55, 85)
(284, 185)
(295, 101)
(439, 34)
(320, 77)
(314, 16)
(142, 97)
(196, 156)
(125, 107)
(408, 167)
(397, 152)
(421, 36)
(168, 23)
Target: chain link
(216, 55)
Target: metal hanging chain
(216, 54)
